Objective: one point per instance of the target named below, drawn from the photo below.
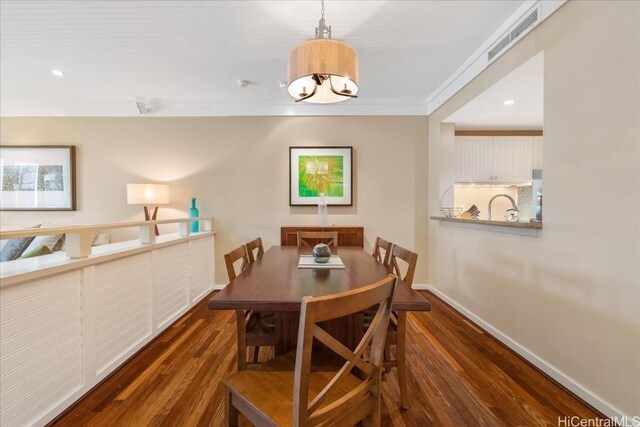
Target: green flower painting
(320, 174)
(316, 171)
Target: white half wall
(65, 331)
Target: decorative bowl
(321, 253)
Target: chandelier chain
(322, 10)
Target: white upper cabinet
(512, 158)
(474, 158)
(499, 159)
(537, 152)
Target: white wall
(238, 170)
(569, 297)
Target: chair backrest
(252, 246)
(363, 398)
(312, 238)
(410, 258)
(382, 244)
(232, 257)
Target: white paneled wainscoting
(66, 326)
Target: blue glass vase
(193, 213)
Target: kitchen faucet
(514, 208)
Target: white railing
(67, 323)
(79, 237)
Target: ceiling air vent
(523, 26)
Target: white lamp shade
(147, 194)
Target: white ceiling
(524, 85)
(184, 57)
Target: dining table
(275, 283)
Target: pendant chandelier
(323, 71)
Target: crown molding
(169, 109)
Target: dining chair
(255, 246)
(396, 334)
(232, 257)
(301, 396)
(382, 245)
(330, 238)
(253, 329)
(255, 251)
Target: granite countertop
(523, 224)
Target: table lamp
(148, 195)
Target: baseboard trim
(219, 287)
(571, 385)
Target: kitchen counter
(527, 224)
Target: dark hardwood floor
(458, 376)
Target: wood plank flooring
(458, 376)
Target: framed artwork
(37, 177)
(316, 171)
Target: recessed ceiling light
(509, 102)
(57, 73)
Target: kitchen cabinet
(497, 159)
(474, 158)
(537, 152)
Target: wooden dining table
(276, 284)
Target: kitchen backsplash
(466, 195)
(525, 203)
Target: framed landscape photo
(316, 171)
(35, 177)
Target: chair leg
(400, 359)
(387, 356)
(373, 419)
(256, 352)
(231, 413)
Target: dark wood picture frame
(68, 177)
(347, 198)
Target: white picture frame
(37, 178)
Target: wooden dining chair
(303, 396)
(255, 251)
(253, 329)
(232, 257)
(379, 246)
(312, 238)
(396, 334)
(255, 246)
(410, 260)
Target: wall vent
(518, 30)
